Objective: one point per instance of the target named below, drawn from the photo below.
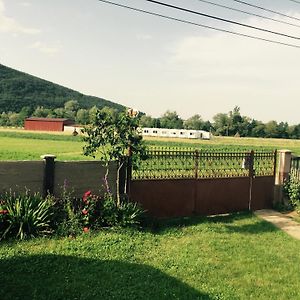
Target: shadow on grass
(256, 228)
(66, 277)
(221, 223)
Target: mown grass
(22, 145)
(226, 257)
(229, 143)
(31, 149)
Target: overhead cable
(295, 1)
(200, 25)
(249, 13)
(266, 9)
(222, 19)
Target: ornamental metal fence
(162, 163)
(295, 167)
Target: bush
(292, 190)
(66, 220)
(105, 212)
(25, 215)
(73, 216)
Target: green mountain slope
(18, 89)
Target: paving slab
(281, 221)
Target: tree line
(223, 124)
(71, 110)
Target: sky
(153, 64)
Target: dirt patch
(293, 215)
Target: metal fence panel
(197, 164)
(295, 167)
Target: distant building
(177, 133)
(46, 124)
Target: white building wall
(176, 133)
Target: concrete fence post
(48, 185)
(285, 158)
(283, 173)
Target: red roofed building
(46, 124)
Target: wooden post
(48, 185)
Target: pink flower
(87, 194)
(3, 212)
(86, 229)
(84, 211)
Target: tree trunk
(118, 183)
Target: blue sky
(153, 64)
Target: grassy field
(230, 143)
(23, 145)
(225, 257)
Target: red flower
(86, 229)
(86, 195)
(84, 211)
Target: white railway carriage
(176, 133)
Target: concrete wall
(18, 175)
(80, 176)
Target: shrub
(97, 212)
(123, 215)
(292, 190)
(25, 215)
(91, 211)
(66, 220)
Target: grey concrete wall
(81, 176)
(21, 175)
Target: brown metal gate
(176, 183)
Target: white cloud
(10, 25)
(227, 57)
(44, 48)
(260, 77)
(144, 37)
(25, 4)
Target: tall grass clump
(25, 215)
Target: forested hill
(18, 89)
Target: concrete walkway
(281, 221)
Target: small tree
(114, 137)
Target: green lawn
(225, 257)
(22, 145)
(30, 146)
(230, 143)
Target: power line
(295, 1)
(222, 19)
(199, 25)
(266, 9)
(249, 13)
